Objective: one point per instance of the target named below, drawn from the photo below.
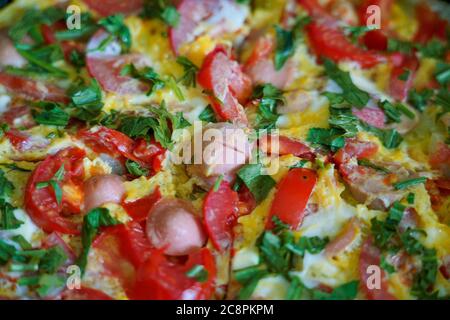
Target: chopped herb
(53, 259)
(189, 78)
(312, 245)
(161, 9)
(270, 97)
(405, 75)
(22, 242)
(146, 75)
(442, 73)
(369, 164)
(54, 183)
(285, 47)
(331, 138)
(390, 111)
(410, 198)
(116, 27)
(432, 49)
(172, 84)
(86, 100)
(259, 184)
(408, 183)
(399, 46)
(357, 32)
(77, 58)
(92, 222)
(217, 183)
(135, 168)
(87, 28)
(51, 114)
(6, 187)
(8, 220)
(49, 282)
(350, 92)
(208, 115)
(7, 251)
(250, 286)
(41, 59)
(346, 291)
(198, 272)
(384, 231)
(424, 280)
(386, 265)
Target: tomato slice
(139, 209)
(376, 39)
(148, 151)
(41, 204)
(106, 140)
(292, 196)
(31, 89)
(355, 149)
(430, 24)
(229, 85)
(220, 213)
(370, 256)
(286, 146)
(110, 7)
(84, 293)
(332, 43)
(161, 279)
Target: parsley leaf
(51, 114)
(208, 115)
(189, 78)
(92, 222)
(146, 75)
(116, 27)
(161, 9)
(54, 183)
(258, 183)
(331, 138)
(351, 93)
(270, 97)
(284, 48)
(86, 100)
(135, 168)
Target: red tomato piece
(373, 116)
(48, 33)
(18, 116)
(229, 85)
(330, 42)
(31, 89)
(161, 279)
(286, 146)
(292, 196)
(110, 141)
(430, 24)
(220, 213)
(84, 293)
(110, 7)
(399, 88)
(376, 39)
(355, 149)
(148, 151)
(370, 256)
(139, 209)
(41, 204)
(247, 201)
(17, 138)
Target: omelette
(224, 149)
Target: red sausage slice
(110, 7)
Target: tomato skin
(106, 140)
(370, 256)
(330, 42)
(110, 7)
(291, 197)
(151, 153)
(30, 89)
(430, 24)
(161, 279)
(41, 204)
(220, 213)
(17, 138)
(225, 79)
(84, 293)
(286, 146)
(355, 149)
(140, 208)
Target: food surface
(224, 149)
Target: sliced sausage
(225, 148)
(172, 226)
(344, 239)
(8, 53)
(102, 189)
